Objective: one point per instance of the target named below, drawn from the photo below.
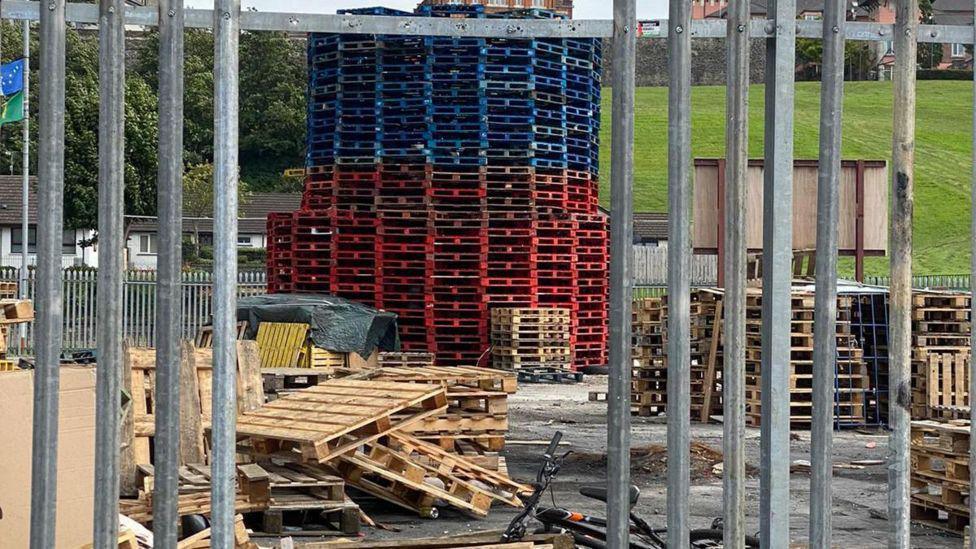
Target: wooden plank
(191, 426)
(127, 457)
(709, 384)
(250, 387)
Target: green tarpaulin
(336, 324)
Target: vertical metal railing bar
(902, 206)
(774, 487)
(972, 314)
(48, 323)
(226, 41)
(825, 300)
(621, 271)
(25, 183)
(679, 272)
(111, 201)
(169, 289)
(734, 352)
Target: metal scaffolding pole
(972, 284)
(734, 351)
(111, 202)
(226, 40)
(24, 291)
(774, 483)
(825, 302)
(621, 279)
(168, 283)
(902, 206)
(679, 272)
(48, 320)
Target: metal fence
(779, 30)
(80, 287)
(932, 282)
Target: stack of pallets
(449, 176)
(289, 345)
(405, 360)
(531, 340)
(941, 327)
(649, 384)
(851, 384)
(940, 474)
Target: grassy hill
(943, 153)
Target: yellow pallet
(280, 344)
(8, 365)
(317, 357)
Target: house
(650, 228)
(252, 232)
(564, 7)
(75, 248)
(954, 12)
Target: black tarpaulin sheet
(336, 324)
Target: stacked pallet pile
(531, 341)
(15, 311)
(448, 176)
(940, 474)
(358, 429)
(649, 384)
(941, 327)
(851, 379)
(869, 324)
(649, 326)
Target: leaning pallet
(289, 345)
(850, 373)
(531, 338)
(947, 385)
(325, 420)
(940, 474)
(941, 326)
(196, 375)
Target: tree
(198, 195)
(81, 131)
(272, 101)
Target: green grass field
(943, 153)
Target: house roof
(253, 214)
(952, 12)
(758, 8)
(650, 226)
(11, 206)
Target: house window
(497, 3)
(538, 3)
(958, 50)
(244, 241)
(147, 244)
(889, 47)
(17, 241)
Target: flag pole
(25, 185)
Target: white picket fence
(139, 310)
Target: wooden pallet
(281, 381)
(127, 540)
(297, 488)
(530, 338)
(405, 360)
(448, 376)
(204, 339)
(947, 385)
(196, 375)
(398, 478)
(549, 375)
(253, 492)
(334, 417)
(281, 343)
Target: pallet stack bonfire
(449, 176)
(535, 342)
(941, 327)
(649, 327)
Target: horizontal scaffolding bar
(510, 28)
(346, 24)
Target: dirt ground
(537, 410)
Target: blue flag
(12, 77)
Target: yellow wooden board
(280, 343)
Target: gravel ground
(537, 410)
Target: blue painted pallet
(450, 109)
